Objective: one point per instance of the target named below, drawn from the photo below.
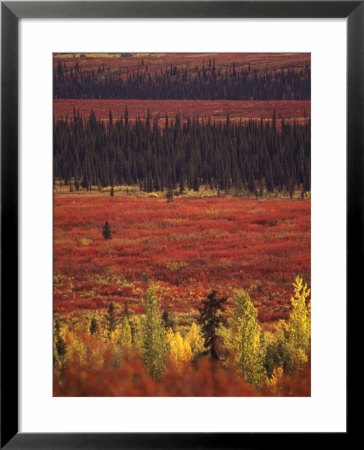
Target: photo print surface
(182, 224)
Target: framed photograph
(181, 220)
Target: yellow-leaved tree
(243, 338)
(292, 339)
(194, 337)
(125, 333)
(136, 322)
(154, 339)
(180, 348)
(299, 325)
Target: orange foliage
(186, 247)
(202, 378)
(297, 385)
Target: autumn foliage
(182, 217)
(122, 356)
(187, 247)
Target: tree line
(255, 156)
(172, 83)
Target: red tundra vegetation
(187, 246)
(184, 249)
(135, 272)
(202, 378)
(216, 110)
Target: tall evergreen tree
(210, 320)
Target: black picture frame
(11, 12)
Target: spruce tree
(210, 320)
(168, 322)
(110, 318)
(93, 326)
(106, 232)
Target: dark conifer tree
(168, 322)
(126, 309)
(106, 231)
(60, 345)
(110, 318)
(93, 326)
(210, 320)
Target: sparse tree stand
(106, 232)
(210, 320)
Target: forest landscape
(182, 224)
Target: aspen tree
(292, 338)
(195, 339)
(246, 339)
(300, 318)
(180, 348)
(154, 341)
(125, 333)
